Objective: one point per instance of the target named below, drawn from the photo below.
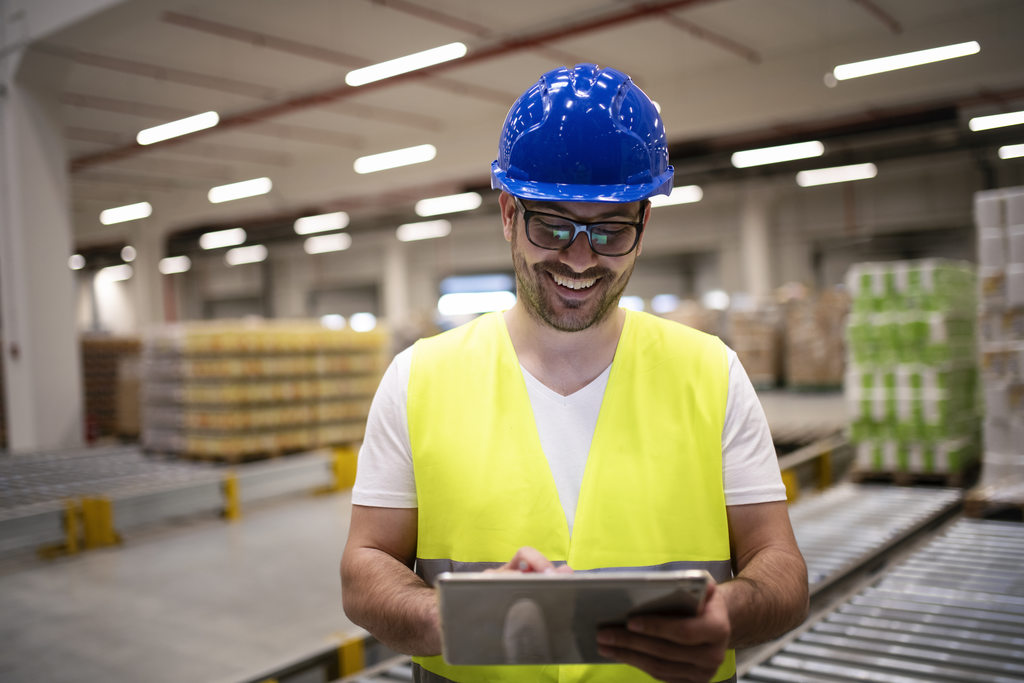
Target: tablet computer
(536, 618)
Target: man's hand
(671, 648)
(529, 559)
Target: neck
(565, 362)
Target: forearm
(768, 598)
(386, 598)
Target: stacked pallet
(815, 348)
(999, 215)
(233, 390)
(756, 337)
(912, 369)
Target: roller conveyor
(951, 611)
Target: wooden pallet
(995, 502)
(961, 479)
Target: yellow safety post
(343, 469)
(98, 522)
(792, 483)
(71, 520)
(351, 657)
(232, 506)
(825, 470)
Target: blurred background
(220, 220)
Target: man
(568, 431)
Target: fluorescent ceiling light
(362, 322)
(322, 223)
(467, 201)
(633, 303)
(394, 159)
(254, 253)
(425, 230)
(115, 273)
(322, 244)
(836, 174)
(775, 155)
(76, 262)
(130, 212)
(1012, 118)
(687, 194)
(241, 190)
(128, 253)
(882, 64)
(333, 321)
(222, 238)
(174, 264)
(716, 300)
(401, 65)
(1011, 151)
(177, 128)
(472, 303)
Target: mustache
(565, 271)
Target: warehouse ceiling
(727, 74)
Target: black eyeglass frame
(584, 228)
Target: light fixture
(401, 65)
(253, 253)
(321, 244)
(473, 303)
(869, 67)
(1012, 118)
(664, 303)
(174, 129)
(1011, 151)
(452, 203)
(395, 158)
(362, 322)
(716, 300)
(424, 230)
(222, 238)
(174, 264)
(687, 194)
(76, 262)
(240, 190)
(778, 154)
(632, 303)
(321, 223)
(128, 253)
(836, 174)
(129, 212)
(333, 321)
(117, 273)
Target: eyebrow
(612, 214)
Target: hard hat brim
(564, 192)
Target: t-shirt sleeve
(750, 467)
(384, 476)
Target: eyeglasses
(607, 238)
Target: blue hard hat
(585, 134)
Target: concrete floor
(203, 601)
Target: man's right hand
(529, 559)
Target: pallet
(996, 502)
(961, 479)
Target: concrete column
(42, 367)
(147, 282)
(395, 284)
(755, 243)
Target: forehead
(587, 211)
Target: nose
(578, 255)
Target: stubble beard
(571, 316)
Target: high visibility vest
(652, 493)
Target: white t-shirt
(384, 477)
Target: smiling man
(569, 433)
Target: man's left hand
(671, 648)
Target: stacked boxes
(756, 338)
(815, 355)
(107, 363)
(911, 382)
(232, 390)
(999, 216)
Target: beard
(538, 292)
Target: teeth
(573, 283)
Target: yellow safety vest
(652, 493)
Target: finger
(529, 559)
(700, 656)
(659, 669)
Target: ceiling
(726, 74)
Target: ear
(647, 217)
(508, 214)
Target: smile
(573, 283)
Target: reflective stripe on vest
(652, 492)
